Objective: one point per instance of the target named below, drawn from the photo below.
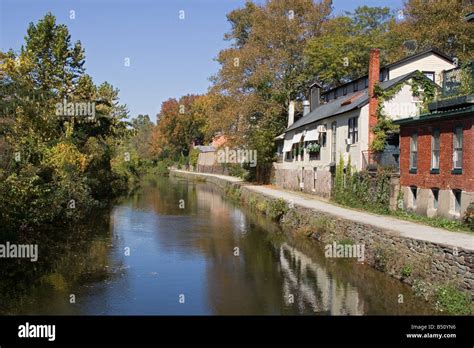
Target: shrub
(469, 216)
(276, 209)
(406, 271)
(193, 157)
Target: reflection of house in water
(313, 288)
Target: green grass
(440, 222)
(452, 301)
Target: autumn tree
(341, 53)
(180, 123)
(435, 23)
(264, 69)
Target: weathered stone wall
(415, 262)
(318, 183)
(391, 253)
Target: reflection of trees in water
(66, 259)
(163, 197)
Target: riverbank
(438, 264)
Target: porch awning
(297, 137)
(312, 134)
(287, 145)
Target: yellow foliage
(66, 158)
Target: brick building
(436, 159)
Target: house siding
(428, 62)
(402, 105)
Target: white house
(339, 122)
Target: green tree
(60, 158)
(435, 23)
(341, 53)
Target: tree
(60, 157)
(263, 70)
(435, 23)
(142, 137)
(341, 53)
(179, 124)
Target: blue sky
(169, 56)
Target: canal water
(178, 247)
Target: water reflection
(221, 257)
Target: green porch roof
(459, 112)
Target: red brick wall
(445, 179)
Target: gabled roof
(347, 103)
(315, 83)
(401, 61)
(417, 55)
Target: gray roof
(344, 104)
(203, 148)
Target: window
(457, 200)
(435, 193)
(414, 191)
(294, 150)
(356, 86)
(457, 149)
(344, 90)
(430, 75)
(414, 152)
(324, 136)
(300, 151)
(353, 129)
(366, 82)
(435, 149)
(313, 156)
(333, 141)
(335, 94)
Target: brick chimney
(374, 78)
